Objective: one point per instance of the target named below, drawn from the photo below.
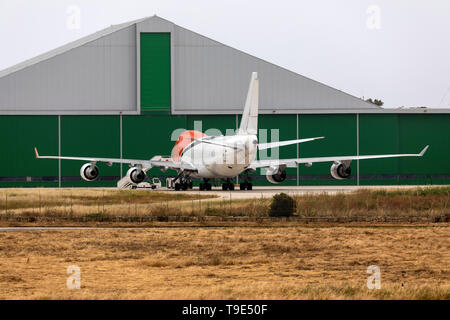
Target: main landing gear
(184, 184)
(226, 185)
(247, 183)
(229, 185)
(205, 185)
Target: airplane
(196, 155)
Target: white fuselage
(221, 157)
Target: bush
(282, 206)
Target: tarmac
(269, 191)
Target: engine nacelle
(276, 175)
(136, 175)
(340, 171)
(89, 172)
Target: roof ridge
(114, 28)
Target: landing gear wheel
(247, 182)
(246, 185)
(228, 186)
(205, 185)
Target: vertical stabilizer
(249, 122)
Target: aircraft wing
(263, 146)
(292, 163)
(145, 164)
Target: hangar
(126, 91)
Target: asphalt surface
(269, 191)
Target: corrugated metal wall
(148, 135)
(96, 136)
(416, 131)
(379, 134)
(339, 131)
(97, 76)
(211, 77)
(19, 135)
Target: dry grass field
(263, 259)
(89, 202)
(62, 205)
(227, 263)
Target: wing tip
(36, 153)
(424, 150)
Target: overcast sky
(394, 50)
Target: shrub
(282, 206)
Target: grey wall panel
(210, 76)
(99, 75)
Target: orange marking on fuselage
(185, 139)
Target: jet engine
(89, 172)
(136, 175)
(340, 171)
(276, 175)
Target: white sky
(404, 62)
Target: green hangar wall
(129, 90)
(147, 135)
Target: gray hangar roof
(99, 74)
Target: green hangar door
(155, 73)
